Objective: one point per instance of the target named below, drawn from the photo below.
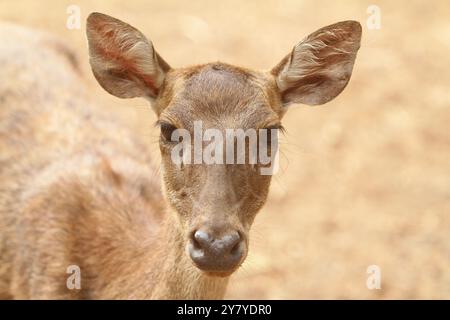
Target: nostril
(238, 244)
(195, 243)
(236, 248)
(233, 239)
(227, 243)
(201, 238)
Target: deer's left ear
(320, 66)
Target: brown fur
(76, 187)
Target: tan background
(365, 179)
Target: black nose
(221, 254)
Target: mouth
(218, 274)
(215, 264)
(219, 269)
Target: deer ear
(123, 61)
(320, 66)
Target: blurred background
(364, 180)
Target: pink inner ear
(126, 67)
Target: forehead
(220, 95)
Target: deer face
(217, 200)
(204, 110)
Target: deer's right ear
(123, 61)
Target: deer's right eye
(166, 131)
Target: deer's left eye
(166, 130)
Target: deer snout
(217, 254)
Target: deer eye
(269, 131)
(275, 126)
(166, 130)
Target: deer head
(216, 203)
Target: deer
(77, 187)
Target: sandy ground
(365, 179)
